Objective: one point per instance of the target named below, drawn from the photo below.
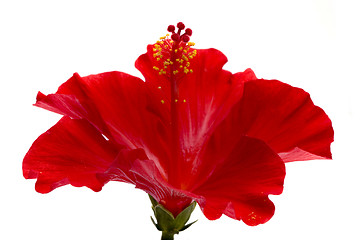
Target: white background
(308, 44)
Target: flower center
(173, 53)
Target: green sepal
(165, 219)
(156, 225)
(188, 225)
(166, 223)
(183, 217)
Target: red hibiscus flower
(191, 131)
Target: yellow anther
(159, 87)
(162, 72)
(185, 58)
(176, 100)
(184, 100)
(192, 55)
(162, 101)
(165, 49)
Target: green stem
(167, 236)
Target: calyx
(167, 223)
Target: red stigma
(180, 26)
(185, 38)
(176, 36)
(171, 28)
(188, 31)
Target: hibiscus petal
(145, 64)
(71, 100)
(209, 94)
(132, 112)
(213, 207)
(252, 210)
(286, 119)
(243, 173)
(72, 151)
(121, 106)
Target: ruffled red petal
(251, 210)
(209, 94)
(133, 113)
(71, 100)
(121, 106)
(72, 151)
(238, 175)
(286, 119)
(145, 64)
